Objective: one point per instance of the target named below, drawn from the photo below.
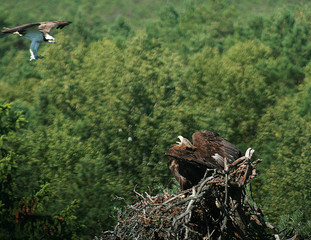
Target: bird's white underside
(36, 37)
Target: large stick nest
(219, 207)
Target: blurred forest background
(82, 127)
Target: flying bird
(188, 161)
(36, 33)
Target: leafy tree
(99, 117)
(106, 102)
(228, 93)
(284, 142)
(287, 34)
(201, 23)
(24, 214)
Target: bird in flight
(36, 33)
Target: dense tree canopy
(85, 125)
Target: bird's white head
(180, 139)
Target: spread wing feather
(44, 27)
(19, 29)
(210, 144)
(48, 26)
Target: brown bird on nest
(188, 161)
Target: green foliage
(201, 23)
(92, 120)
(24, 214)
(295, 224)
(287, 34)
(284, 140)
(232, 88)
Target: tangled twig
(219, 207)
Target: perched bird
(188, 162)
(36, 33)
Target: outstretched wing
(21, 30)
(46, 27)
(214, 148)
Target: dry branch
(217, 208)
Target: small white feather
(219, 159)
